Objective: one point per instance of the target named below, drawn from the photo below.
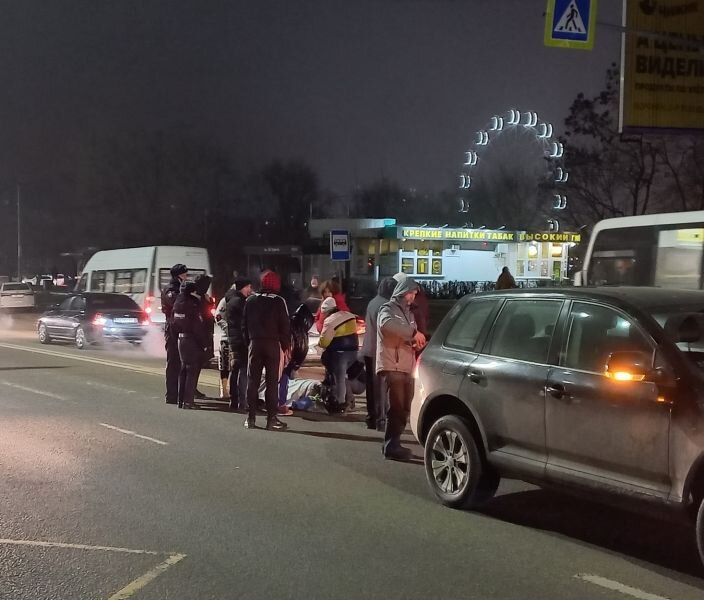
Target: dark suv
(598, 391)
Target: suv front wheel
(456, 472)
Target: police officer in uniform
(188, 323)
(179, 274)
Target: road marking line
(76, 546)
(106, 386)
(132, 588)
(615, 586)
(137, 435)
(104, 362)
(34, 391)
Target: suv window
(468, 326)
(66, 303)
(524, 329)
(594, 332)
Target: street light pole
(19, 235)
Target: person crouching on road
(398, 340)
(234, 310)
(179, 274)
(192, 341)
(266, 330)
(340, 341)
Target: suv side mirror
(628, 366)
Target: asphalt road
(199, 508)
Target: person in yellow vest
(339, 339)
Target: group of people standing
(257, 338)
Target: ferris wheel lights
(531, 119)
(465, 182)
(514, 117)
(545, 131)
(497, 123)
(561, 176)
(482, 138)
(557, 150)
(472, 159)
(560, 202)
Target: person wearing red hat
(266, 330)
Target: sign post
(340, 244)
(570, 24)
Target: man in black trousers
(266, 330)
(179, 274)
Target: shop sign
(486, 235)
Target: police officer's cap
(178, 269)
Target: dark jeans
(238, 375)
(401, 387)
(337, 362)
(191, 362)
(263, 354)
(173, 365)
(377, 395)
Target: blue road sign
(570, 23)
(339, 244)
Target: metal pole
(19, 236)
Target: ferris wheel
(526, 123)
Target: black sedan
(93, 317)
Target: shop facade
(380, 248)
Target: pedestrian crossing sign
(570, 23)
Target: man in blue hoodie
(398, 342)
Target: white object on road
(622, 588)
(133, 433)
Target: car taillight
(148, 305)
(145, 319)
(99, 320)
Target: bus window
(679, 258)
(623, 256)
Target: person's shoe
(191, 405)
(234, 406)
(381, 426)
(273, 424)
(250, 423)
(371, 423)
(171, 402)
(284, 411)
(398, 453)
(199, 395)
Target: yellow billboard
(663, 65)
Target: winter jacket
(168, 297)
(234, 311)
(396, 329)
(265, 318)
(505, 281)
(339, 331)
(187, 318)
(386, 288)
(341, 305)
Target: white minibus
(662, 250)
(141, 273)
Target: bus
(661, 250)
(141, 273)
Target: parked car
(93, 317)
(16, 295)
(596, 391)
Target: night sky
(359, 89)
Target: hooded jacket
(265, 318)
(386, 289)
(187, 317)
(396, 328)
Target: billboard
(663, 66)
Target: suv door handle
(557, 390)
(476, 376)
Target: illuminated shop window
(437, 266)
(422, 266)
(407, 266)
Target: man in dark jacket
(505, 280)
(202, 283)
(189, 325)
(179, 274)
(266, 331)
(377, 397)
(234, 308)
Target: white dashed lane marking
(135, 434)
(24, 388)
(621, 588)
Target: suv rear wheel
(456, 472)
